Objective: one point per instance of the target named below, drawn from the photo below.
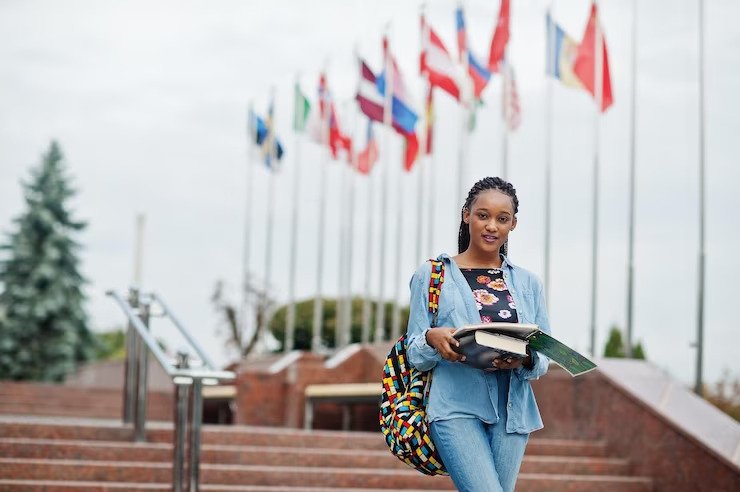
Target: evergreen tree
(43, 327)
(615, 347)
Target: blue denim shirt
(459, 390)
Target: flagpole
(387, 123)
(339, 310)
(699, 384)
(396, 314)
(548, 146)
(350, 240)
(598, 92)
(421, 167)
(251, 130)
(431, 195)
(367, 304)
(504, 126)
(467, 99)
(270, 217)
(318, 305)
(290, 318)
(633, 151)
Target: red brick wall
(590, 406)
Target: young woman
(480, 419)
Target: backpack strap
(435, 288)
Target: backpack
(405, 395)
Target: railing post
(196, 420)
(142, 369)
(130, 372)
(181, 425)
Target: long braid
(489, 183)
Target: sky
(149, 99)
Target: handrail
(185, 333)
(188, 383)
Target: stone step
(261, 477)
(161, 432)
(271, 455)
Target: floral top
(492, 297)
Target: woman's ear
(466, 216)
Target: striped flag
(367, 158)
(436, 63)
(479, 73)
(562, 50)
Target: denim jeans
(480, 457)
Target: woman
(480, 419)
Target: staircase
(55, 454)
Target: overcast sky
(148, 101)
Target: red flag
(512, 111)
(337, 139)
(500, 38)
(584, 66)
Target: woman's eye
(503, 220)
(482, 216)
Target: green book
(564, 356)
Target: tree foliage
(304, 322)
(615, 346)
(44, 330)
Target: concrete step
(161, 432)
(61, 449)
(261, 477)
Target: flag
(436, 63)
(429, 121)
(369, 156)
(479, 74)
(500, 38)
(259, 130)
(584, 66)
(368, 96)
(337, 140)
(511, 110)
(301, 109)
(371, 99)
(561, 55)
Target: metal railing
(188, 374)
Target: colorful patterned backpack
(405, 395)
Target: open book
(530, 335)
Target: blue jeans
(480, 457)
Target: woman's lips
(489, 238)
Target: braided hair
(489, 183)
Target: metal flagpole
(251, 130)
(341, 258)
(699, 384)
(139, 251)
(318, 305)
(421, 168)
(505, 126)
(266, 315)
(350, 242)
(598, 89)
(396, 314)
(551, 61)
(290, 319)
(431, 195)
(467, 97)
(631, 236)
(387, 123)
(367, 304)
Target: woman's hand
(513, 362)
(442, 340)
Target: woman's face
(490, 219)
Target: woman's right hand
(441, 339)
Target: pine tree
(44, 331)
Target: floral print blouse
(493, 298)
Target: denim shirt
(459, 390)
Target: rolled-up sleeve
(541, 362)
(421, 355)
